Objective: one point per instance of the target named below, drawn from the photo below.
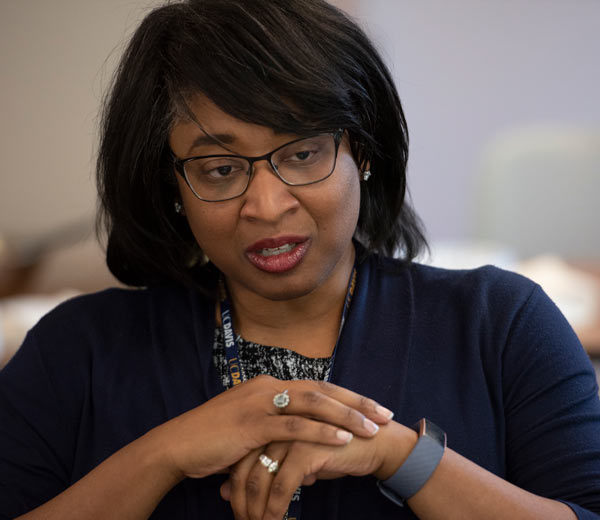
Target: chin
(282, 290)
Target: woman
(252, 179)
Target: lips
(278, 254)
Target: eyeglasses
(215, 178)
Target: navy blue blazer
(482, 353)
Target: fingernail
(370, 426)
(384, 412)
(344, 436)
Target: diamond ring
(281, 400)
(271, 465)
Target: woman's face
(277, 241)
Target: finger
(225, 490)
(237, 483)
(296, 427)
(261, 476)
(309, 480)
(290, 476)
(368, 407)
(310, 402)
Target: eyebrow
(205, 140)
(220, 140)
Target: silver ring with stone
(265, 460)
(271, 465)
(282, 399)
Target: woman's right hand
(210, 438)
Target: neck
(307, 324)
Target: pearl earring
(366, 174)
(178, 207)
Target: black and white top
(256, 359)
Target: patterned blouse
(278, 362)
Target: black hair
(295, 66)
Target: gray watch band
(418, 466)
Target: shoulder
(107, 306)
(464, 286)
(486, 282)
(488, 304)
(107, 332)
(497, 315)
(119, 304)
(114, 318)
(110, 301)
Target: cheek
(208, 224)
(205, 220)
(348, 193)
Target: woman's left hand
(256, 493)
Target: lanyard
(236, 375)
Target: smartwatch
(418, 466)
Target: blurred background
(501, 98)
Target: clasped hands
(325, 432)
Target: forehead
(202, 127)
(203, 112)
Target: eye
(220, 171)
(305, 152)
(302, 155)
(215, 168)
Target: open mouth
(271, 251)
(278, 255)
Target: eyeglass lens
(223, 177)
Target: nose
(267, 198)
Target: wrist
(418, 467)
(396, 443)
(159, 457)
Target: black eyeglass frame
(180, 164)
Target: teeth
(286, 248)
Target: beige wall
(56, 58)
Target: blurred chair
(539, 192)
(39, 273)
